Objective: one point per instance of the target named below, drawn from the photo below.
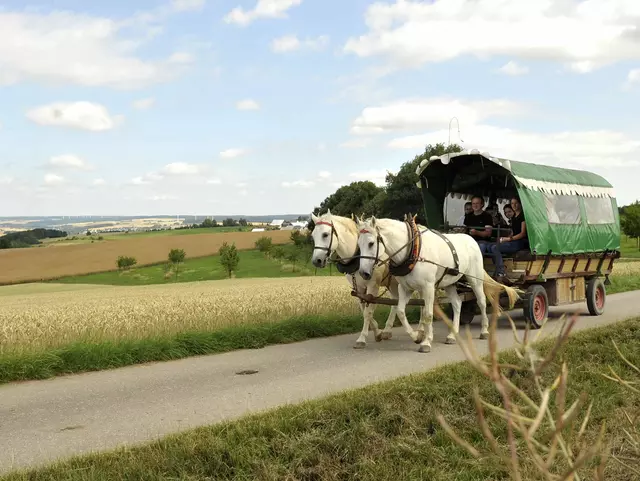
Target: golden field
(40, 316)
(42, 263)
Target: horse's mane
(346, 223)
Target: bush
(125, 262)
(229, 257)
(264, 244)
(278, 252)
(176, 257)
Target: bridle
(380, 240)
(333, 231)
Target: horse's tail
(492, 290)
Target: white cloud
(324, 174)
(356, 143)
(162, 197)
(214, 181)
(262, 9)
(583, 34)
(247, 104)
(53, 179)
(144, 104)
(68, 161)
(6, 180)
(429, 113)
(305, 184)
(77, 115)
(99, 182)
(232, 153)
(181, 58)
(146, 179)
(65, 48)
(187, 5)
(513, 69)
(291, 43)
(180, 168)
(375, 176)
(634, 76)
(586, 148)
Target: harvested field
(42, 263)
(35, 317)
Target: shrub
(264, 244)
(126, 262)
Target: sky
(261, 107)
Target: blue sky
(114, 109)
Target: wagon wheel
(596, 296)
(468, 312)
(536, 306)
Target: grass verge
(86, 356)
(385, 431)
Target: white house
(277, 223)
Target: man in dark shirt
(479, 224)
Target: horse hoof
(379, 337)
(360, 345)
(419, 337)
(450, 340)
(424, 349)
(386, 335)
(484, 335)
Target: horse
(424, 261)
(333, 234)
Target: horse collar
(415, 239)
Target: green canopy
(566, 211)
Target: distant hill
(27, 238)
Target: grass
(384, 431)
(53, 262)
(252, 264)
(629, 247)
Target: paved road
(45, 420)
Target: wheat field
(35, 317)
(51, 262)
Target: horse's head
(325, 239)
(369, 244)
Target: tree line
(28, 238)
(399, 195)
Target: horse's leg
(456, 304)
(369, 321)
(428, 294)
(386, 332)
(403, 298)
(481, 299)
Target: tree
(209, 223)
(243, 222)
(229, 222)
(355, 198)
(176, 257)
(293, 256)
(264, 245)
(278, 252)
(630, 221)
(125, 262)
(402, 192)
(229, 257)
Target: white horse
(338, 235)
(389, 236)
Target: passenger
(518, 240)
(467, 210)
(508, 213)
(477, 219)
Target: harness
(415, 239)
